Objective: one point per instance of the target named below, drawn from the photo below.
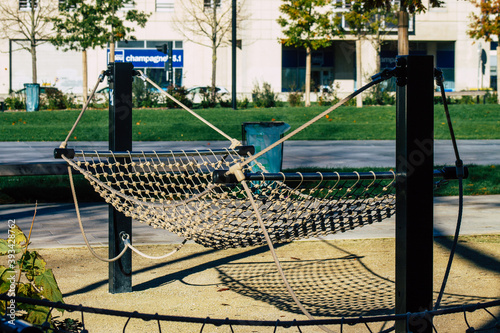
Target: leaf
(32, 264)
(4, 247)
(5, 274)
(16, 241)
(48, 285)
(26, 290)
(37, 314)
(20, 237)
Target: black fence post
(120, 139)
(414, 190)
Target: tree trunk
(84, 73)
(111, 49)
(33, 42)
(214, 51)
(403, 43)
(214, 72)
(498, 72)
(359, 73)
(378, 49)
(308, 77)
(33, 62)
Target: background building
(441, 32)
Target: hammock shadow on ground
(180, 275)
(342, 286)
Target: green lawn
(345, 123)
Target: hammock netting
(177, 191)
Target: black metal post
(233, 56)
(120, 139)
(171, 78)
(414, 190)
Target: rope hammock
(177, 191)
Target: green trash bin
(263, 134)
(32, 96)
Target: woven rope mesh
(175, 192)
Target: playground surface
(347, 274)
(332, 278)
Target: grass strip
(345, 123)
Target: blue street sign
(148, 58)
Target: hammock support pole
(414, 191)
(120, 139)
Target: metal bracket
(438, 74)
(453, 172)
(222, 177)
(401, 72)
(68, 152)
(245, 150)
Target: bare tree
(25, 22)
(208, 23)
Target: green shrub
(266, 97)
(226, 103)
(15, 102)
(240, 103)
(180, 94)
(53, 99)
(490, 98)
(143, 96)
(243, 103)
(35, 280)
(207, 101)
(379, 96)
(467, 100)
(295, 98)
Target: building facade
(441, 32)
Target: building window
(164, 5)
(128, 6)
(26, 4)
(343, 6)
(210, 3)
(63, 5)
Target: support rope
(275, 258)
(312, 121)
(84, 108)
(125, 238)
(142, 254)
(234, 142)
(460, 176)
(73, 191)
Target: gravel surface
(332, 278)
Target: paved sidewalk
(56, 224)
(375, 153)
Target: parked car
(196, 93)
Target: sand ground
(332, 279)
